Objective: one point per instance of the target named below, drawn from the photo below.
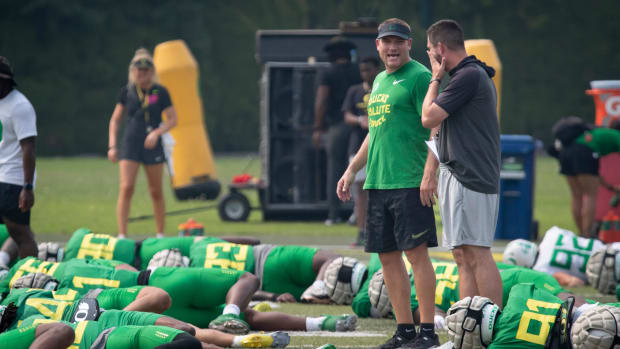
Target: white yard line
(335, 334)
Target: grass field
(81, 192)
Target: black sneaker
(396, 341)
(422, 342)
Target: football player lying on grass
(375, 302)
(38, 336)
(94, 334)
(286, 273)
(22, 304)
(561, 253)
(532, 318)
(85, 244)
(214, 298)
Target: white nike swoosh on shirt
(396, 82)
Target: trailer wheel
(234, 207)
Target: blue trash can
(516, 195)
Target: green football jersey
(151, 246)
(212, 252)
(87, 245)
(396, 148)
(86, 332)
(85, 275)
(120, 337)
(33, 302)
(288, 269)
(527, 318)
(60, 304)
(512, 277)
(446, 286)
(27, 266)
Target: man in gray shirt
(465, 114)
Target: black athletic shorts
(397, 221)
(9, 204)
(133, 149)
(578, 159)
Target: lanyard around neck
(144, 102)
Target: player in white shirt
(561, 253)
(18, 131)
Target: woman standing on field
(143, 100)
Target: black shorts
(133, 149)
(578, 159)
(397, 221)
(9, 204)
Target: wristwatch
(28, 186)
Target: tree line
(70, 57)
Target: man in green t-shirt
(395, 154)
(579, 162)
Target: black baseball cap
(143, 63)
(394, 29)
(338, 42)
(6, 72)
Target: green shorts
(288, 269)
(117, 318)
(118, 298)
(141, 337)
(19, 338)
(196, 293)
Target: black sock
(427, 330)
(406, 331)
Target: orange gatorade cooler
(190, 159)
(484, 50)
(606, 95)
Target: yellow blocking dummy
(190, 160)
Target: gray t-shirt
(469, 142)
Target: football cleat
(339, 323)
(277, 339)
(230, 323)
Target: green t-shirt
(212, 252)
(87, 245)
(601, 140)
(396, 148)
(527, 319)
